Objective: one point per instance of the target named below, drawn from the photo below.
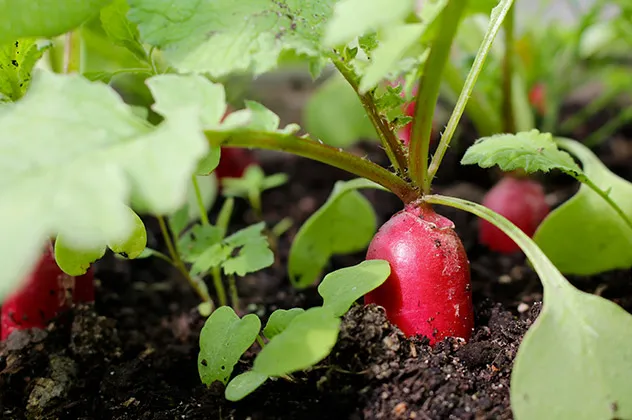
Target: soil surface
(133, 354)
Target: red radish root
(45, 293)
(522, 202)
(233, 163)
(429, 290)
(537, 98)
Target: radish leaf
(17, 59)
(223, 339)
(44, 18)
(224, 36)
(585, 235)
(120, 30)
(198, 239)
(343, 225)
(531, 151)
(573, 329)
(307, 340)
(242, 385)
(74, 184)
(341, 288)
(279, 320)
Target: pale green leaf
(44, 18)
(132, 246)
(17, 59)
(75, 262)
(394, 45)
(195, 241)
(223, 339)
(531, 151)
(354, 18)
(307, 340)
(343, 225)
(120, 30)
(334, 114)
(244, 384)
(279, 320)
(574, 361)
(341, 288)
(225, 36)
(585, 235)
(71, 152)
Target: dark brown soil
(133, 355)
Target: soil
(133, 354)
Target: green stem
(177, 261)
(200, 201)
(497, 17)
(260, 341)
(311, 149)
(234, 295)
(509, 122)
(72, 52)
(392, 145)
(606, 130)
(428, 93)
(216, 274)
(549, 275)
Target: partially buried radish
(522, 202)
(233, 162)
(45, 293)
(429, 290)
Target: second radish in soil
(428, 291)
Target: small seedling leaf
(44, 18)
(344, 224)
(585, 235)
(307, 340)
(354, 18)
(120, 30)
(132, 246)
(335, 115)
(75, 184)
(17, 59)
(225, 36)
(75, 262)
(341, 288)
(195, 241)
(279, 320)
(531, 151)
(242, 385)
(252, 183)
(224, 338)
(574, 361)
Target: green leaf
(531, 151)
(279, 320)
(341, 288)
(343, 225)
(573, 362)
(224, 36)
(245, 251)
(88, 154)
(198, 239)
(243, 385)
(75, 262)
(353, 18)
(585, 235)
(132, 246)
(335, 115)
(393, 47)
(224, 338)
(44, 18)
(172, 92)
(252, 184)
(307, 340)
(17, 60)
(120, 30)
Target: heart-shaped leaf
(224, 338)
(244, 384)
(279, 320)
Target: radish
(522, 201)
(406, 131)
(537, 98)
(429, 291)
(46, 292)
(233, 162)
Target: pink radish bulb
(429, 291)
(522, 202)
(46, 292)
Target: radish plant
(71, 143)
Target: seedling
(114, 157)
